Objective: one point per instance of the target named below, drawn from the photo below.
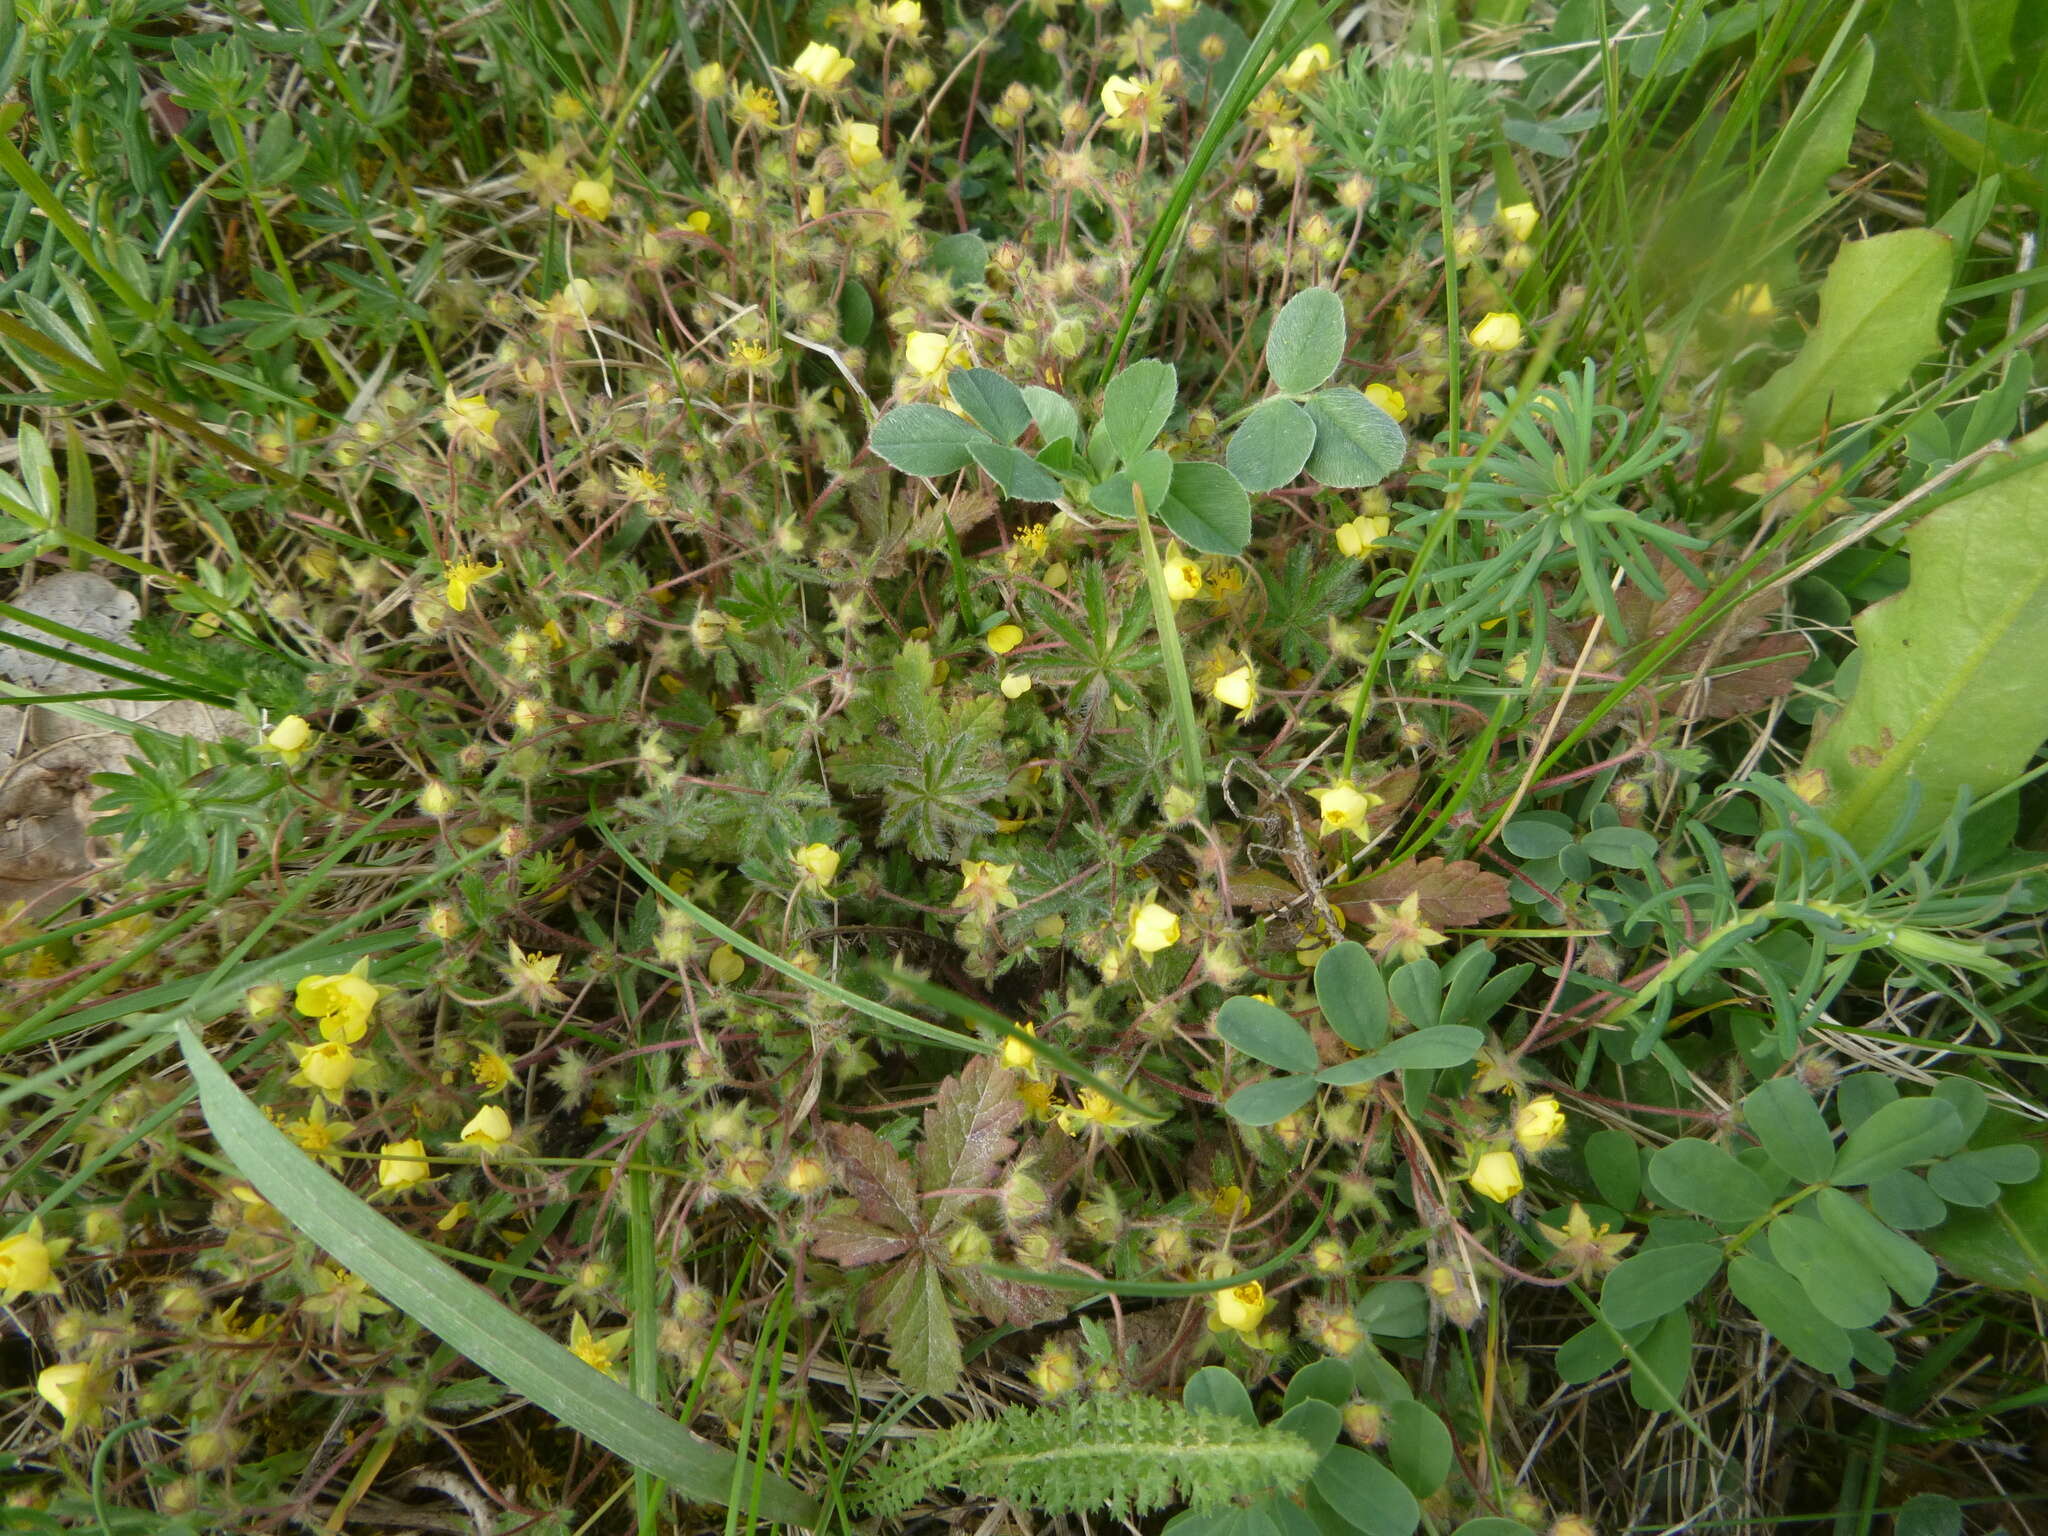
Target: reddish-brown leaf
(967, 1134)
(853, 1241)
(878, 1179)
(1453, 895)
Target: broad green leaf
(1270, 1101)
(1904, 1132)
(1700, 1177)
(925, 440)
(1136, 404)
(1357, 443)
(1265, 1033)
(963, 258)
(1393, 1309)
(1938, 51)
(1785, 1119)
(1644, 1288)
(1441, 1045)
(1314, 1420)
(1365, 1493)
(1663, 1364)
(1929, 1514)
(1206, 509)
(856, 313)
(1306, 341)
(401, 1270)
(1947, 692)
(1970, 1102)
(1985, 145)
(1902, 1263)
(1616, 1164)
(1416, 990)
(1151, 473)
(1270, 446)
(1212, 1389)
(1845, 1287)
(993, 401)
(1790, 188)
(1021, 476)
(2004, 1246)
(1960, 1181)
(1588, 1354)
(924, 1346)
(1054, 413)
(1353, 995)
(1328, 1381)
(1878, 307)
(1903, 1200)
(1493, 1525)
(1782, 1306)
(1620, 847)
(1418, 1448)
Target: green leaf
(1790, 188)
(1937, 51)
(1212, 1389)
(1357, 443)
(1785, 1119)
(1306, 341)
(1136, 404)
(962, 258)
(1419, 1448)
(1265, 1033)
(1271, 445)
(1621, 847)
(1353, 995)
(1902, 1263)
(1150, 472)
(2004, 1246)
(1588, 1354)
(1929, 1514)
(1365, 1493)
(1947, 692)
(924, 1346)
(1270, 1101)
(1616, 1164)
(1879, 305)
(1441, 1045)
(1054, 413)
(1493, 1525)
(1644, 1288)
(925, 440)
(1021, 476)
(1663, 1364)
(1314, 1420)
(1782, 1307)
(1394, 1309)
(1416, 991)
(856, 313)
(1902, 1133)
(1702, 1178)
(1844, 1286)
(1206, 509)
(463, 1313)
(992, 400)
(1903, 1200)
(1328, 1381)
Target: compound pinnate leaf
(1306, 341)
(925, 440)
(1846, 1287)
(1644, 1288)
(1781, 1304)
(1357, 443)
(1905, 1266)
(1136, 405)
(1705, 1179)
(1783, 1116)
(1270, 446)
(1902, 1133)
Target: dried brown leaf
(1456, 894)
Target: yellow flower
(533, 974)
(1359, 537)
(1400, 931)
(318, 1136)
(1499, 331)
(1173, 10)
(1519, 220)
(73, 1390)
(342, 1004)
(819, 862)
(1751, 300)
(1231, 1203)
(984, 887)
(436, 798)
(1586, 1249)
(1538, 1124)
(1239, 690)
(1344, 807)
(861, 143)
(25, 1267)
(1016, 685)
(402, 1166)
(1388, 399)
(1241, 1308)
(725, 965)
(1005, 638)
(493, 1073)
(470, 422)
(328, 1066)
(1056, 1372)
(1183, 576)
(600, 1353)
(590, 200)
(1018, 1055)
(806, 1175)
(345, 1295)
(903, 17)
(708, 80)
(1497, 1176)
(1305, 67)
(291, 739)
(821, 66)
(931, 354)
(1153, 928)
(1037, 1098)
(1096, 1108)
(1119, 94)
(463, 575)
(1290, 150)
(488, 1129)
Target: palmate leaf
(967, 1134)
